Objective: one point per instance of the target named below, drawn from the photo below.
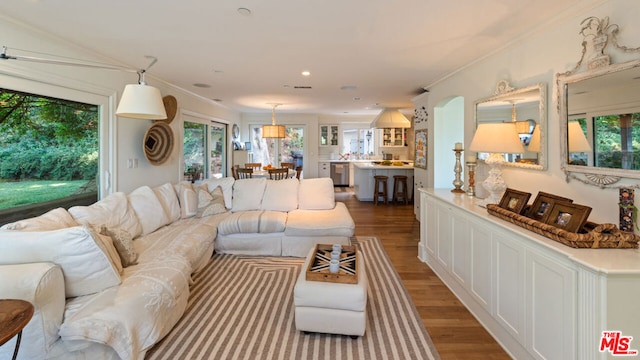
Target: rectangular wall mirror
(526, 107)
(600, 119)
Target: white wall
(448, 122)
(125, 137)
(553, 48)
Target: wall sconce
(139, 101)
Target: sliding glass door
(204, 150)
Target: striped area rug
(241, 307)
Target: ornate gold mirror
(527, 108)
(599, 111)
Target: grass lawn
(18, 193)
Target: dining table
(265, 173)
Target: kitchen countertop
(370, 166)
(348, 161)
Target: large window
(204, 149)
(49, 153)
(358, 143)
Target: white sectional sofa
(110, 280)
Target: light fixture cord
(273, 114)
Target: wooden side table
(14, 316)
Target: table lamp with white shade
(577, 142)
(535, 143)
(496, 139)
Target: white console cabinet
(539, 298)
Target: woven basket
(592, 236)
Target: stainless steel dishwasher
(340, 173)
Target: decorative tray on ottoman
(318, 269)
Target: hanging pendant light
(141, 101)
(273, 131)
(390, 118)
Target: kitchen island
(364, 172)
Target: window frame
(104, 99)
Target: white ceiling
(388, 50)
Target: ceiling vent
(302, 87)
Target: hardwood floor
(454, 331)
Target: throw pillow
(148, 209)
(226, 184)
(123, 242)
(86, 267)
(188, 200)
(106, 245)
(210, 203)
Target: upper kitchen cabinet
(329, 135)
(392, 137)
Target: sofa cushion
(247, 194)
(210, 203)
(226, 184)
(316, 194)
(188, 199)
(334, 222)
(281, 195)
(148, 208)
(113, 211)
(169, 200)
(85, 264)
(52, 220)
(260, 221)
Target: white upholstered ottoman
(328, 307)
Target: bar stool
(380, 180)
(400, 189)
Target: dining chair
(234, 171)
(287, 165)
(254, 166)
(245, 173)
(278, 174)
(298, 172)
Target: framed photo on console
(514, 200)
(568, 216)
(542, 205)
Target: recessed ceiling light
(244, 11)
(306, 73)
(356, 99)
(201, 85)
(348, 87)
